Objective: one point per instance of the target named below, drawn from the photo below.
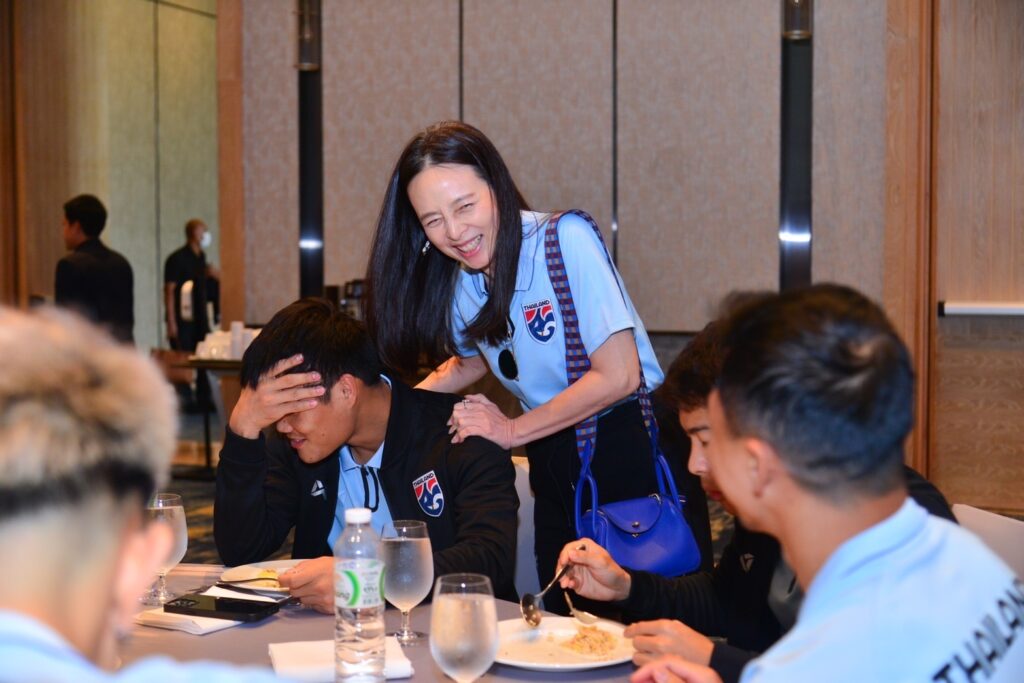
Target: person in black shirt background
(93, 279)
(187, 319)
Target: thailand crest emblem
(429, 494)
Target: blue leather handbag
(648, 533)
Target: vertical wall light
(795, 148)
(311, 157)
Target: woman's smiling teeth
(470, 246)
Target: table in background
(225, 387)
(247, 643)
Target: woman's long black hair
(409, 297)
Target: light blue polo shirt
(538, 343)
(350, 489)
(913, 598)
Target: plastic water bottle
(358, 601)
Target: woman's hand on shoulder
(476, 415)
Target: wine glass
(166, 508)
(408, 571)
(464, 626)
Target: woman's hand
(476, 415)
(653, 639)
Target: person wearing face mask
(751, 597)
(458, 278)
(87, 432)
(187, 281)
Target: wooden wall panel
(271, 134)
(61, 144)
(538, 83)
(231, 158)
(390, 68)
(698, 154)
(907, 291)
(979, 233)
(8, 192)
(848, 190)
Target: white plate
(542, 649)
(251, 571)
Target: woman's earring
(425, 249)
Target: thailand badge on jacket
(540, 320)
(429, 494)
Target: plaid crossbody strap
(577, 361)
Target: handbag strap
(577, 362)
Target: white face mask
(206, 240)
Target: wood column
(231, 167)
(908, 293)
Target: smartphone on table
(235, 609)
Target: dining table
(248, 643)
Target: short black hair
(821, 374)
(88, 212)
(330, 341)
(692, 375)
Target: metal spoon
(528, 603)
(582, 616)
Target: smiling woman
(480, 300)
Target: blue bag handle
(577, 362)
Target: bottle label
(359, 583)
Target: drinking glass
(408, 571)
(166, 508)
(464, 626)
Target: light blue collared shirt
(602, 305)
(351, 491)
(32, 651)
(913, 598)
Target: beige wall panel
(270, 104)
(978, 436)
(979, 190)
(698, 154)
(188, 128)
(848, 184)
(390, 68)
(9, 269)
(978, 442)
(131, 201)
(61, 144)
(537, 81)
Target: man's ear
(346, 387)
(763, 465)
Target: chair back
(1003, 535)
(526, 563)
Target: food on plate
(592, 641)
(267, 579)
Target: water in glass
(464, 626)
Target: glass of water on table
(408, 571)
(464, 626)
(167, 508)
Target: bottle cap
(357, 516)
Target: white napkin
(312, 661)
(197, 626)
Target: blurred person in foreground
(93, 279)
(86, 435)
(809, 416)
(344, 434)
(751, 598)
